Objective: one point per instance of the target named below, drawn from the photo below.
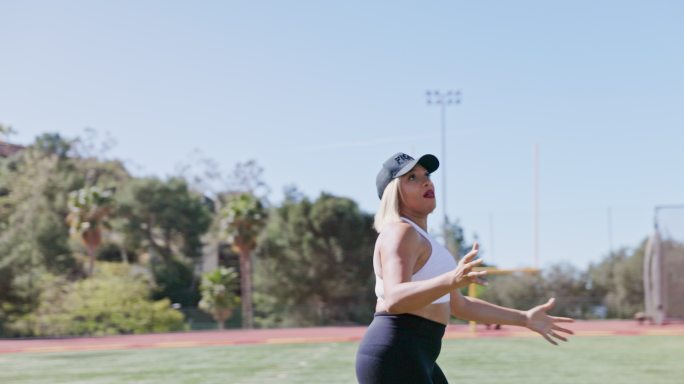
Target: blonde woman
(417, 284)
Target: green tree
(164, 216)
(34, 193)
(455, 240)
(518, 290)
(52, 144)
(115, 300)
(7, 131)
(242, 219)
(618, 280)
(314, 263)
(88, 211)
(166, 220)
(523, 291)
(33, 233)
(218, 294)
(569, 286)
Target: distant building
(7, 149)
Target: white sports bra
(439, 262)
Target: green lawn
(629, 359)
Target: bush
(113, 301)
(218, 294)
(175, 280)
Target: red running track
(306, 335)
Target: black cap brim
(429, 162)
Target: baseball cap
(399, 164)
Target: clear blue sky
(321, 93)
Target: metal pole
(491, 239)
(444, 99)
(610, 231)
(444, 180)
(536, 205)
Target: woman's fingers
(549, 339)
(477, 274)
(549, 304)
(474, 263)
(468, 257)
(561, 329)
(473, 252)
(467, 268)
(557, 336)
(562, 319)
(476, 277)
(549, 334)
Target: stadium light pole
(443, 99)
(536, 205)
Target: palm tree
(241, 219)
(89, 208)
(218, 294)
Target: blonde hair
(389, 206)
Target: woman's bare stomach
(439, 313)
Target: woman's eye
(412, 177)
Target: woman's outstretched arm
(536, 319)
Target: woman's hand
(464, 275)
(545, 325)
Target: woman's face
(417, 194)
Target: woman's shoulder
(397, 233)
(400, 226)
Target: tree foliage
(165, 220)
(619, 281)
(241, 219)
(114, 301)
(312, 258)
(314, 264)
(165, 217)
(218, 294)
(34, 184)
(6, 131)
(89, 209)
(521, 291)
(612, 288)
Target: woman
(418, 281)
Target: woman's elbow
(394, 306)
(459, 308)
(458, 313)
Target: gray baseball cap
(398, 165)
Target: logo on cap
(401, 159)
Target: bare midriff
(439, 313)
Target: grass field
(614, 359)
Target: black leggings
(400, 349)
